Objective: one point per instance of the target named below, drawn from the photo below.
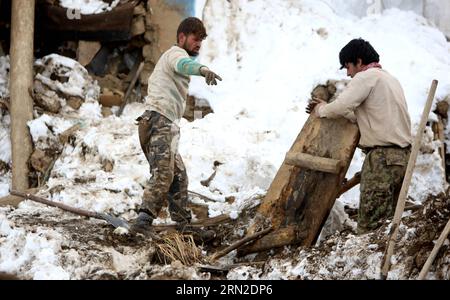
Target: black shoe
(142, 224)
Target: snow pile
(30, 254)
(4, 77)
(88, 7)
(66, 76)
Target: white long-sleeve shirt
(378, 102)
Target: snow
(87, 7)
(4, 77)
(271, 54)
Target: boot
(142, 224)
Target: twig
(240, 243)
(203, 197)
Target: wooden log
(315, 163)
(299, 199)
(21, 103)
(386, 264)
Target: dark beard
(191, 53)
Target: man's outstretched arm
(189, 67)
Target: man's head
(356, 55)
(190, 35)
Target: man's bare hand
(314, 105)
(210, 76)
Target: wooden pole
(21, 103)
(435, 251)
(406, 182)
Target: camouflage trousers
(381, 181)
(169, 182)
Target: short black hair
(358, 49)
(192, 25)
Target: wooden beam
(314, 163)
(21, 103)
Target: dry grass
(178, 247)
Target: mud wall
(167, 15)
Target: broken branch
(240, 243)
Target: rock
(49, 102)
(138, 26)
(75, 102)
(40, 161)
(86, 51)
(146, 72)
(321, 92)
(442, 109)
(139, 10)
(106, 111)
(107, 165)
(147, 52)
(149, 36)
(323, 33)
(110, 100)
(148, 21)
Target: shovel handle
(77, 211)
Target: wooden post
(386, 264)
(21, 103)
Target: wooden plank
(315, 163)
(299, 199)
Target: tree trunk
(22, 35)
(301, 197)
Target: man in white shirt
(377, 100)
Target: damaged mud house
(91, 66)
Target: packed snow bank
(273, 55)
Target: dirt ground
(90, 249)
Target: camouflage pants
(381, 181)
(169, 182)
